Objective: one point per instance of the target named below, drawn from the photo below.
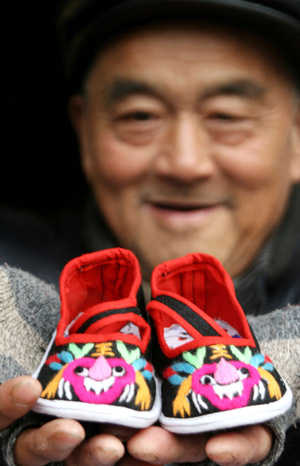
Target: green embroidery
(80, 352)
(242, 356)
(197, 359)
(129, 356)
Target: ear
(295, 159)
(78, 118)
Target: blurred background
(40, 168)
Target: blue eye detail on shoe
(183, 367)
(139, 364)
(55, 366)
(259, 360)
(65, 356)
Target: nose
(226, 373)
(185, 150)
(101, 370)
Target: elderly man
(188, 119)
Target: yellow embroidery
(103, 349)
(51, 388)
(181, 404)
(273, 386)
(219, 351)
(143, 396)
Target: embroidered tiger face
(101, 380)
(226, 385)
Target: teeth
(98, 386)
(87, 383)
(60, 390)
(255, 392)
(262, 390)
(229, 391)
(239, 389)
(68, 391)
(108, 383)
(259, 391)
(131, 392)
(127, 394)
(202, 402)
(124, 395)
(195, 399)
(199, 402)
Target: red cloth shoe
(213, 373)
(97, 365)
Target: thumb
(17, 396)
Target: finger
(128, 460)
(158, 446)
(54, 441)
(121, 432)
(237, 448)
(101, 450)
(17, 396)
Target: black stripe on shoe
(83, 328)
(188, 314)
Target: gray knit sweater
(29, 312)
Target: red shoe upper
(99, 297)
(193, 292)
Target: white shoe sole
(230, 418)
(81, 411)
(119, 415)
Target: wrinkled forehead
(228, 43)
(84, 25)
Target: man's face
(190, 142)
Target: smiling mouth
(177, 215)
(183, 207)
(96, 386)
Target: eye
(226, 117)
(137, 116)
(230, 127)
(138, 120)
(137, 127)
(223, 116)
(207, 380)
(118, 371)
(82, 371)
(244, 372)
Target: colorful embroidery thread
(105, 373)
(219, 378)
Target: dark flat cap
(83, 25)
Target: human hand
(17, 396)
(59, 439)
(62, 439)
(56, 440)
(238, 447)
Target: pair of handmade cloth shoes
(209, 372)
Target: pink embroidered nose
(100, 370)
(226, 373)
